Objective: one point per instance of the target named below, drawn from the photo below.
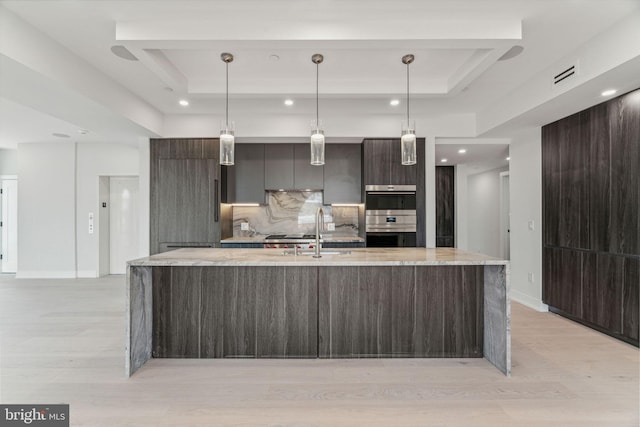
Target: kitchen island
(370, 302)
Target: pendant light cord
(317, 85)
(227, 103)
(408, 125)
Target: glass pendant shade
(317, 145)
(227, 140)
(408, 143)
(408, 138)
(317, 134)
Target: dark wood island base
(327, 310)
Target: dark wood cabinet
(591, 208)
(404, 327)
(382, 163)
(376, 161)
(631, 299)
(445, 206)
(287, 312)
(184, 193)
(603, 278)
(426, 312)
(342, 173)
(562, 280)
(624, 221)
(550, 185)
(222, 297)
(176, 312)
(244, 181)
(309, 311)
(338, 304)
(235, 312)
(451, 297)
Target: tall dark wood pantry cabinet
(591, 216)
(185, 194)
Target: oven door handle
(391, 193)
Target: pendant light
(317, 134)
(227, 128)
(408, 139)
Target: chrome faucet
(319, 225)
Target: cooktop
(290, 236)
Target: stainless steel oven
(390, 215)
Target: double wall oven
(390, 215)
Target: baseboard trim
(528, 300)
(595, 327)
(46, 274)
(87, 274)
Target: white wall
(46, 209)
(8, 162)
(483, 219)
(525, 181)
(144, 191)
(95, 160)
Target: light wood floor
(62, 341)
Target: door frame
(14, 226)
(505, 218)
(103, 227)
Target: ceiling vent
(568, 74)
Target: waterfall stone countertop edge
(354, 257)
(260, 239)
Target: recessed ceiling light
(183, 102)
(508, 158)
(83, 131)
(462, 150)
(394, 102)
(60, 135)
(608, 92)
(122, 52)
(443, 161)
(274, 58)
(288, 102)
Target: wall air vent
(567, 74)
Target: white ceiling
(457, 44)
(477, 157)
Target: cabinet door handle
(216, 201)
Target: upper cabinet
(342, 173)
(278, 166)
(445, 206)
(245, 180)
(305, 175)
(185, 193)
(382, 163)
(288, 167)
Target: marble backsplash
(290, 212)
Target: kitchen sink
(311, 253)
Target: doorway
(118, 223)
(9, 224)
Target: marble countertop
(355, 257)
(260, 239)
